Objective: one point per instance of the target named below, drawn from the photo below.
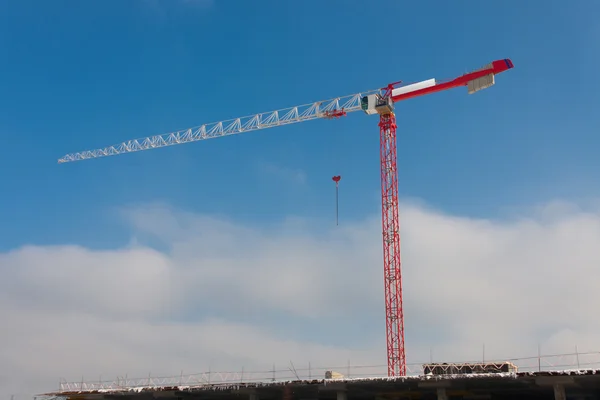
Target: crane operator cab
(376, 104)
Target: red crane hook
(336, 179)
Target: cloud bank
(193, 293)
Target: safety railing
(576, 360)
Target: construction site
(283, 200)
(502, 379)
(445, 381)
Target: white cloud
(227, 296)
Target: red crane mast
(379, 101)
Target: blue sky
(79, 75)
(494, 184)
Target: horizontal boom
(371, 102)
(328, 109)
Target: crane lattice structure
(378, 101)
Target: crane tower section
(390, 224)
(383, 104)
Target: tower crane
(379, 101)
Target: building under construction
(437, 382)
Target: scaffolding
(469, 368)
